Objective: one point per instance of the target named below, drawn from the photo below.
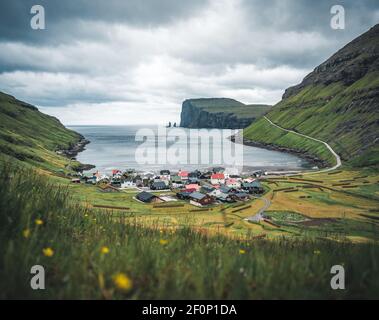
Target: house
(224, 197)
(207, 188)
(176, 182)
(224, 189)
(200, 199)
(240, 196)
(252, 187)
(183, 195)
(108, 188)
(159, 185)
(206, 175)
(75, 180)
(194, 174)
(215, 192)
(193, 180)
(146, 175)
(128, 184)
(116, 182)
(183, 175)
(164, 172)
(148, 197)
(259, 173)
(217, 178)
(89, 178)
(103, 179)
(116, 172)
(233, 183)
(194, 187)
(164, 175)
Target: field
(336, 205)
(92, 253)
(110, 246)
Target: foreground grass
(89, 248)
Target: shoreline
(74, 149)
(314, 161)
(79, 146)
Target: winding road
(338, 159)
(259, 215)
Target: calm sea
(114, 147)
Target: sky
(134, 62)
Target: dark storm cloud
(109, 55)
(64, 18)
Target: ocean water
(116, 147)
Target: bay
(114, 147)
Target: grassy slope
(320, 117)
(262, 131)
(187, 265)
(344, 114)
(231, 106)
(30, 137)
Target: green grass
(189, 265)
(262, 131)
(31, 137)
(240, 110)
(343, 116)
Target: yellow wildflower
(48, 252)
(39, 222)
(26, 233)
(104, 250)
(242, 251)
(163, 242)
(122, 281)
(317, 252)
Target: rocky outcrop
(347, 65)
(195, 116)
(336, 103)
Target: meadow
(102, 254)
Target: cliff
(337, 103)
(220, 113)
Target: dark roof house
(147, 197)
(158, 185)
(200, 198)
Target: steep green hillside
(337, 103)
(31, 137)
(219, 113)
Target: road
(338, 159)
(259, 215)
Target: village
(200, 188)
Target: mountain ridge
(337, 103)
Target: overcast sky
(133, 61)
